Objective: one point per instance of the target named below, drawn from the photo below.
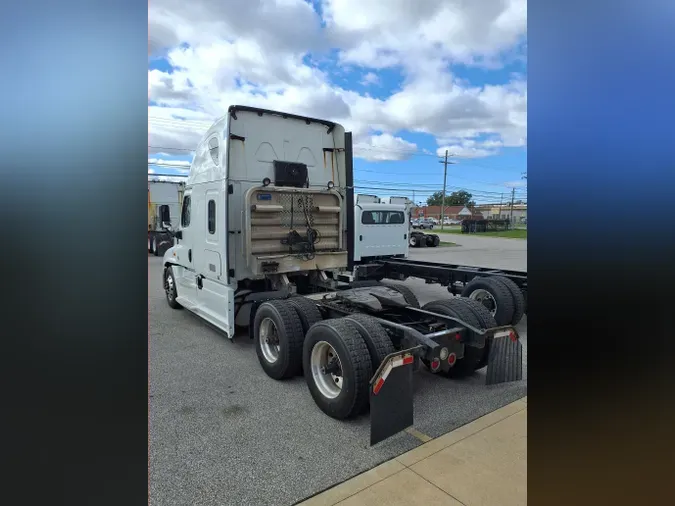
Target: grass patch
(518, 233)
(445, 243)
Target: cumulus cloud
(381, 34)
(384, 147)
(470, 148)
(259, 53)
(370, 78)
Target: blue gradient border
(601, 176)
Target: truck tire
(518, 298)
(170, 288)
(278, 336)
(154, 246)
(472, 355)
(413, 241)
(487, 321)
(494, 296)
(376, 338)
(429, 240)
(345, 393)
(437, 241)
(407, 293)
(307, 311)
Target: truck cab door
(185, 277)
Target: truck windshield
(382, 218)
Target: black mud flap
(391, 396)
(505, 362)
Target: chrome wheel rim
(328, 383)
(484, 297)
(169, 286)
(269, 340)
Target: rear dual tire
(278, 338)
(342, 393)
(487, 321)
(376, 338)
(307, 312)
(500, 296)
(472, 355)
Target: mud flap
(505, 362)
(391, 396)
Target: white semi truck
(164, 204)
(266, 244)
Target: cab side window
(185, 213)
(212, 216)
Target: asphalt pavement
(472, 249)
(222, 432)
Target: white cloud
(386, 33)
(469, 148)
(370, 78)
(385, 147)
(171, 163)
(253, 52)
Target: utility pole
(501, 199)
(445, 175)
(513, 196)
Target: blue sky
(487, 177)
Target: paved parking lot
(222, 432)
(472, 249)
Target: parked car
(425, 223)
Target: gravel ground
(222, 432)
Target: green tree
(458, 198)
